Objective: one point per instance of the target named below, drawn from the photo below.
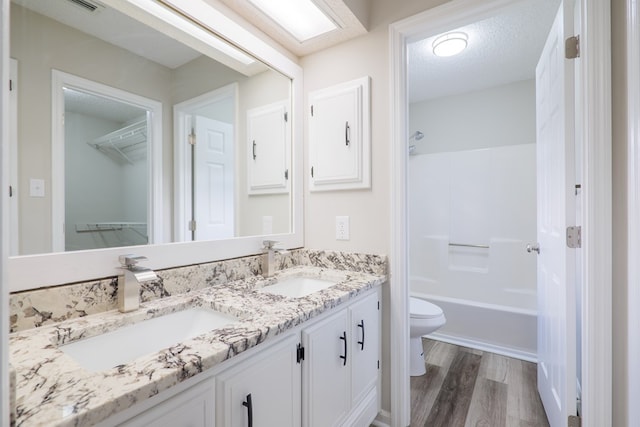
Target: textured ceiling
(501, 49)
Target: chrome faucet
(129, 282)
(268, 260)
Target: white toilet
(425, 318)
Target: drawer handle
(247, 403)
(361, 325)
(344, 339)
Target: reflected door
(213, 184)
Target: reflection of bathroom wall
(99, 189)
(251, 209)
(41, 44)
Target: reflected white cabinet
(340, 136)
(268, 138)
(341, 371)
(262, 391)
(194, 407)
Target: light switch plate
(342, 228)
(36, 187)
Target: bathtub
(503, 329)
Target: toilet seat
(421, 309)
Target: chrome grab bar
(465, 245)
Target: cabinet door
(365, 327)
(268, 139)
(265, 387)
(339, 137)
(326, 371)
(193, 407)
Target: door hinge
(286, 117)
(311, 171)
(286, 174)
(572, 47)
(574, 421)
(312, 111)
(192, 137)
(574, 237)
(299, 353)
(192, 225)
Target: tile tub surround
(39, 307)
(52, 389)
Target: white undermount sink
(297, 287)
(125, 344)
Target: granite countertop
(53, 390)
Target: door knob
(533, 248)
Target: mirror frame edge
(36, 271)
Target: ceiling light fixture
(450, 44)
(303, 19)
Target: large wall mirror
(136, 127)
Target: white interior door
(556, 211)
(213, 179)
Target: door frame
(633, 200)
(182, 157)
(60, 80)
(594, 68)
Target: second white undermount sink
(126, 344)
(297, 287)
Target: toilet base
(416, 358)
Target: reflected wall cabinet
(268, 137)
(340, 136)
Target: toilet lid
(422, 309)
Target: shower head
(417, 135)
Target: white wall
(498, 116)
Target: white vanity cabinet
(341, 367)
(323, 373)
(264, 390)
(340, 137)
(194, 407)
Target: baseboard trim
(383, 419)
(479, 345)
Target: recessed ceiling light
(450, 44)
(303, 19)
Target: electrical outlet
(342, 228)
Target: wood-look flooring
(464, 387)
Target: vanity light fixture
(450, 44)
(303, 19)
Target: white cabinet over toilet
(340, 136)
